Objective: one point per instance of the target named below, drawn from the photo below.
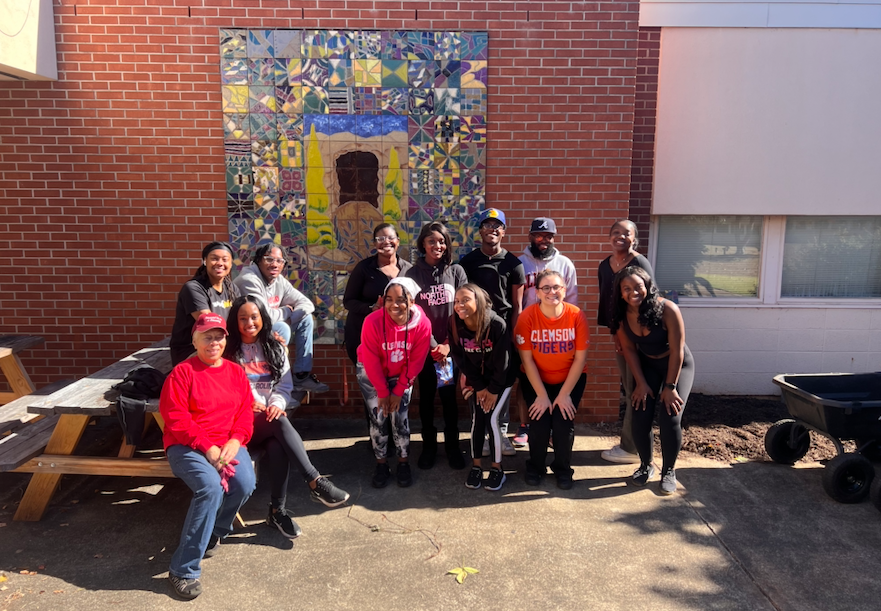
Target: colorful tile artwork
(328, 133)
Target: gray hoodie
(276, 295)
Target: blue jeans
(400, 420)
(303, 328)
(212, 511)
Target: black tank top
(655, 343)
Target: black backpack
(141, 383)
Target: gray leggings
(400, 419)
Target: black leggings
(283, 446)
(427, 388)
(655, 373)
(551, 421)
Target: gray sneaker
(507, 448)
(310, 383)
(643, 474)
(668, 482)
(325, 492)
(187, 589)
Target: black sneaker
(533, 479)
(325, 492)
(405, 477)
(668, 482)
(428, 456)
(642, 475)
(310, 383)
(496, 479)
(564, 482)
(455, 458)
(188, 589)
(475, 478)
(283, 522)
(213, 542)
(382, 475)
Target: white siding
(760, 14)
(738, 350)
(27, 41)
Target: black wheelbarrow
(838, 406)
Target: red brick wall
(113, 176)
(646, 109)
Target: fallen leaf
(2, 578)
(461, 572)
(58, 591)
(99, 556)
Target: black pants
(283, 446)
(427, 389)
(655, 373)
(551, 420)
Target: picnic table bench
(66, 412)
(10, 364)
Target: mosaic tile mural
(328, 133)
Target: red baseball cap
(209, 321)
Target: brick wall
(645, 113)
(114, 174)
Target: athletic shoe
(325, 492)
(428, 456)
(382, 475)
(283, 522)
(533, 479)
(668, 482)
(522, 436)
(619, 455)
(564, 482)
(486, 446)
(405, 477)
(188, 589)
(213, 542)
(297, 398)
(643, 474)
(496, 479)
(475, 478)
(507, 448)
(310, 383)
(455, 458)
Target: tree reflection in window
(358, 175)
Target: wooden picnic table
(75, 405)
(10, 364)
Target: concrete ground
(748, 536)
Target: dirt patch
(732, 429)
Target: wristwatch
(669, 385)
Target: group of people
(475, 327)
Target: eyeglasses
(382, 239)
(492, 225)
(547, 289)
(270, 260)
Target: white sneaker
(485, 446)
(507, 448)
(617, 455)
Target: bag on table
(141, 383)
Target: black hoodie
(439, 285)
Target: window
(832, 257)
(709, 256)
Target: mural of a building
(328, 133)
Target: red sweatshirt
(394, 351)
(206, 406)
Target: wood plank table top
(13, 344)
(94, 394)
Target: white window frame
(770, 276)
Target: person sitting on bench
(289, 310)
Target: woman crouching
(206, 405)
(394, 344)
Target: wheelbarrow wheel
(875, 493)
(847, 478)
(787, 441)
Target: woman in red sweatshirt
(206, 406)
(394, 345)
